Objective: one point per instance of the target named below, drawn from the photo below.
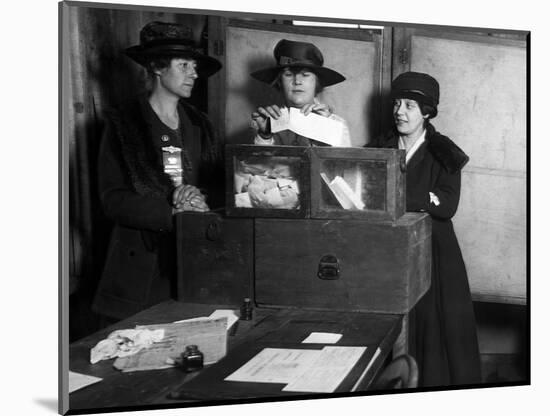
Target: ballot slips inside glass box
(357, 183)
(267, 181)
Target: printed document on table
(275, 365)
(328, 371)
(313, 126)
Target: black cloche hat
(289, 53)
(161, 39)
(417, 86)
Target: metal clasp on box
(329, 268)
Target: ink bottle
(246, 310)
(192, 359)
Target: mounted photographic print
(275, 207)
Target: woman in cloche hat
(444, 339)
(300, 75)
(157, 152)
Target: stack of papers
(152, 347)
(209, 335)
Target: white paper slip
(282, 123)
(322, 338)
(329, 369)
(313, 126)
(198, 318)
(78, 381)
(231, 315)
(275, 365)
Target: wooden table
(150, 389)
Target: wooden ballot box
(320, 243)
(315, 182)
(352, 265)
(310, 227)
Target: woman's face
(408, 118)
(179, 78)
(298, 86)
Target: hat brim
(327, 76)
(207, 65)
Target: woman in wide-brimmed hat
(442, 324)
(299, 73)
(157, 157)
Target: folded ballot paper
(312, 126)
(346, 196)
(266, 185)
(152, 347)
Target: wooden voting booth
(248, 46)
(482, 108)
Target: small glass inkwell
(192, 359)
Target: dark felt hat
(289, 53)
(417, 86)
(161, 39)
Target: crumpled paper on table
(124, 342)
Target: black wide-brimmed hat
(289, 53)
(417, 86)
(161, 39)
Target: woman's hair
(153, 65)
(427, 109)
(277, 84)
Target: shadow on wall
(250, 95)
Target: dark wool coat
(443, 331)
(135, 193)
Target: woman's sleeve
(120, 202)
(443, 202)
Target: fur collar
(132, 130)
(451, 157)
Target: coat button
(165, 138)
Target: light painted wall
(483, 109)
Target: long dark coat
(443, 330)
(135, 193)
